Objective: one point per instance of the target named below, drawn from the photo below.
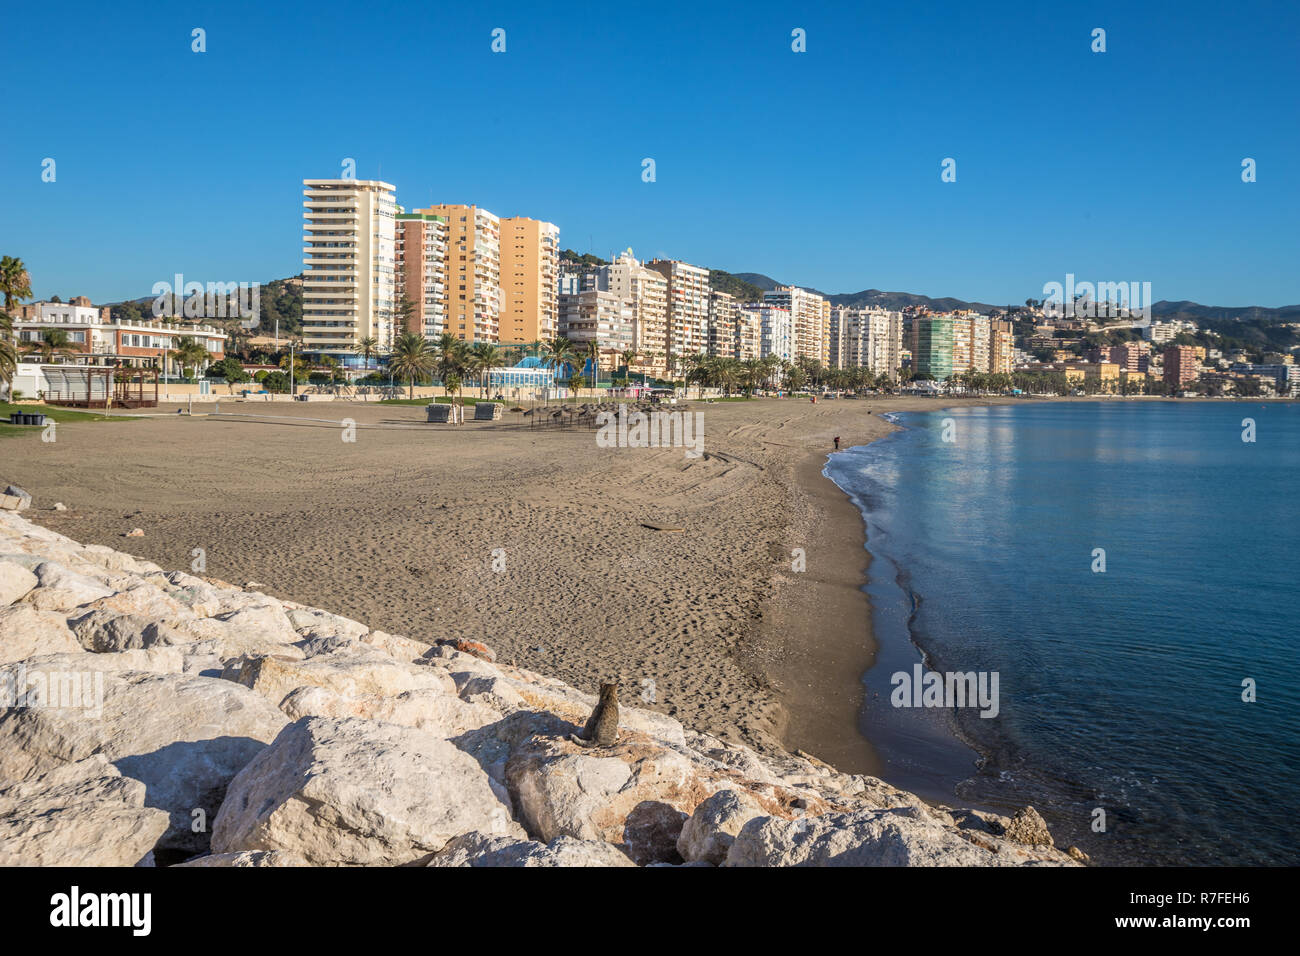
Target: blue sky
(819, 168)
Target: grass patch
(55, 412)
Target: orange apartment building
(472, 272)
(530, 265)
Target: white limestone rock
(357, 792)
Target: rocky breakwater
(157, 718)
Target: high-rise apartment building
(931, 343)
(688, 307)
(530, 262)
(1131, 356)
(647, 291)
(776, 332)
(869, 338)
(1180, 365)
(810, 316)
(349, 261)
(421, 254)
(749, 332)
(472, 300)
(604, 318)
(723, 316)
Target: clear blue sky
(820, 168)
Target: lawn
(60, 415)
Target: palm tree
(188, 352)
(559, 352)
(367, 346)
(15, 281)
(411, 358)
(629, 356)
(8, 354)
(52, 342)
(484, 356)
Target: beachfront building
(94, 338)
(349, 255)
(646, 290)
(930, 339)
(530, 265)
(749, 332)
(811, 317)
(776, 332)
(1180, 365)
(723, 317)
(868, 338)
(688, 307)
(529, 374)
(472, 270)
(592, 316)
(421, 254)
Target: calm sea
(1120, 691)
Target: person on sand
(837, 442)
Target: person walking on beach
(837, 442)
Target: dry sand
(399, 529)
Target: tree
(411, 358)
(451, 357)
(15, 281)
(629, 356)
(189, 353)
(484, 356)
(275, 381)
(366, 346)
(8, 354)
(405, 309)
(558, 353)
(52, 342)
(230, 369)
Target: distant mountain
(1196, 312)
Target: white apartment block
(646, 290)
(809, 318)
(604, 318)
(349, 260)
(749, 332)
(723, 316)
(688, 306)
(1162, 332)
(776, 332)
(870, 339)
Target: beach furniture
(488, 412)
(437, 413)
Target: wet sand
(532, 541)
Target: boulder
(15, 581)
(357, 792)
(903, 837)
(183, 737)
(78, 814)
(61, 589)
(26, 631)
(1028, 828)
(482, 850)
(712, 828)
(360, 673)
(431, 710)
(104, 631)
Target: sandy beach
(532, 541)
